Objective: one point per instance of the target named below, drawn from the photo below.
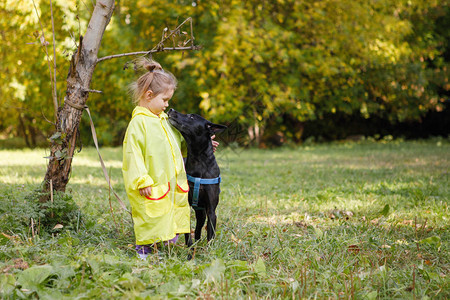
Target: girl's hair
(155, 78)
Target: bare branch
(94, 91)
(160, 46)
(172, 32)
(192, 33)
(87, 8)
(73, 39)
(44, 44)
(54, 90)
(53, 123)
(148, 52)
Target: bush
(21, 210)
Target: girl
(153, 168)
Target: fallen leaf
(353, 249)
(300, 224)
(235, 239)
(10, 237)
(349, 213)
(58, 226)
(18, 264)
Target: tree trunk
(79, 78)
(24, 130)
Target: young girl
(153, 168)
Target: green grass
(365, 220)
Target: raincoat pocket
(181, 193)
(182, 187)
(158, 203)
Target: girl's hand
(215, 144)
(146, 192)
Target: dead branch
(167, 33)
(172, 32)
(93, 91)
(148, 52)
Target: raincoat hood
(140, 110)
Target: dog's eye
(192, 117)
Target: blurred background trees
(278, 70)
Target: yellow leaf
(58, 226)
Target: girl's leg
(172, 241)
(144, 250)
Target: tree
(81, 69)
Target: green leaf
(372, 295)
(55, 136)
(94, 264)
(65, 272)
(130, 282)
(33, 277)
(260, 267)
(238, 265)
(7, 284)
(215, 271)
(432, 241)
(319, 233)
(169, 287)
(385, 210)
(59, 154)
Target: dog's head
(194, 128)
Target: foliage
(22, 210)
(298, 60)
(26, 96)
(269, 66)
(343, 220)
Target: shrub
(22, 212)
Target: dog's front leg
(188, 239)
(211, 227)
(213, 201)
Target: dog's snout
(171, 110)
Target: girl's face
(158, 103)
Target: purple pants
(147, 249)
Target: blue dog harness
(197, 181)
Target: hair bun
(152, 65)
(143, 63)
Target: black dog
(201, 168)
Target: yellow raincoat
(153, 156)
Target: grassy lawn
(365, 220)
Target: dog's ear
(215, 128)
